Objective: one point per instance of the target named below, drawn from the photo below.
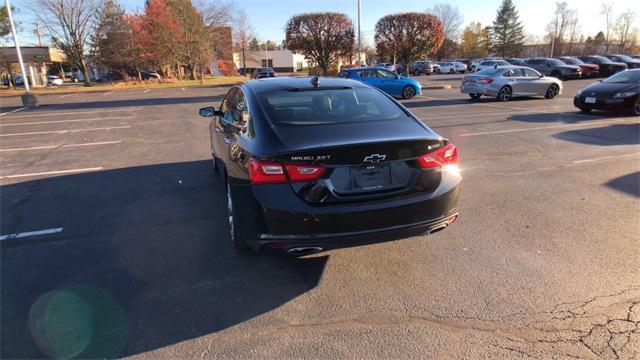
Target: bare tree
(215, 13)
(606, 9)
(242, 34)
(623, 27)
(70, 23)
(573, 27)
(557, 28)
(450, 18)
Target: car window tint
(385, 74)
(531, 73)
(225, 106)
(328, 106)
(488, 72)
(519, 72)
(508, 73)
(237, 110)
(631, 77)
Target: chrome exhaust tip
(436, 229)
(304, 250)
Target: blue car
(391, 83)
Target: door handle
(227, 140)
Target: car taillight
(485, 81)
(446, 155)
(269, 172)
(303, 172)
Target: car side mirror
(209, 112)
(541, 76)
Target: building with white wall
(279, 60)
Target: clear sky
(268, 17)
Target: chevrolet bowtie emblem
(374, 158)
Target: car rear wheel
(408, 92)
(585, 109)
(238, 241)
(416, 73)
(451, 71)
(475, 96)
(635, 110)
(552, 91)
(504, 94)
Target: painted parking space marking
(67, 121)
(31, 233)
(66, 131)
(65, 95)
(42, 113)
(12, 111)
(583, 161)
(57, 172)
(543, 127)
(61, 146)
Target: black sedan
(607, 67)
(619, 92)
(263, 72)
(316, 163)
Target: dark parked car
(421, 68)
(555, 68)
(263, 72)
(587, 70)
(515, 61)
(310, 164)
(607, 67)
(631, 62)
(619, 92)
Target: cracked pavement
(542, 263)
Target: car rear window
(489, 72)
(328, 106)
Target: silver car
(505, 82)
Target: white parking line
(61, 146)
(13, 111)
(543, 127)
(67, 121)
(107, 93)
(66, 131)
(44, 113)
(31, 233)
(65, 95)
(146, 91)
(58, 172)
(605, 158)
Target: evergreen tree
(506, 35)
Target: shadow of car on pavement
(143, 262)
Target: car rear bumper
(483, 90)
(287, 220)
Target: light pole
(359, 48)
(28, 99)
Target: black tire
(214, 160)
(408, 92)
(475, 96)
(635, 110)
(238, 241)
(504, 94)
(552, 91)
(585, 109)
(451, 71)
(416, 72)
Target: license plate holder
(370, 177)
(590, 100)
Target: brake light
(446, 155)
(303, 172)
(269, 172)
(485, 81)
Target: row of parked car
(620, 91)
(567, 67)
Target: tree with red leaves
(320, 37)
(408, 36)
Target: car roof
(299, 83)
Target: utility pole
(28, 99)
(359, 40)
(38, 33)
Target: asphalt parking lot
(114, 241)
